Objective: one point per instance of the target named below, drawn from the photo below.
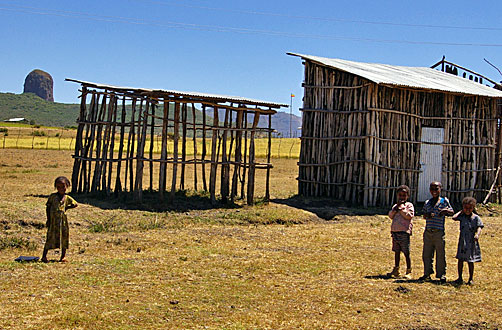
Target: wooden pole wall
(120, 129)
(361, 140)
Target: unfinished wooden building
(368, 128)
(133, 139)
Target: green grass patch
(17, 243)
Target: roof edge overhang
(495, 93)
(196, 96)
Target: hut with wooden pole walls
(133, 139)
(368, 128)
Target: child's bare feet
(470, 282)
(63, 260)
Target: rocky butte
(40, 83)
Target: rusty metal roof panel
(404, 76)
(215, 97)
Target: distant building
(15, 120)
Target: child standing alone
(57, 222)
(402, 214)
(468, 246)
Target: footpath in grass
(273, 266)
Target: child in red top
(402, 214)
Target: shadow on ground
(415, 280)
(329, 209)
(183, 201)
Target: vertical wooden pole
(194, 148)
(183, 144)
(225, 167)
(99, 138)
(204, 148)
(112, 145)
(106, 143)
(214, 165)
(175, 148)
(269, 151)
(89, 127)
(138, 185)
(130, 147)
(78, 142)
(152, 138)
(92, 118)
(251, 175)
(163, 152)
(244, 168)
(238, 154)
(499, 148)
(118, 184)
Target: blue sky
(234, 47)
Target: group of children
(402, 213)
(435, 210)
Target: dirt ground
(291, 264)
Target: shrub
(38, 133)
(4, 130)
(105, 225)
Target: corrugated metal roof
(15, 119)
(215, 97)
(405, 76)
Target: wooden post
(91, 126)
(78, 141)
(214, 165)
(238, 154)
(269, 151)
(251, 175)
(99, 138)
(183, 144)
(138, 187)
(163, 152)
(152, 138)
(106, 143)
(225, 167)
(204, 148)
(112, 146)
(243, 180)
(118, 184)
(194, 148)
(175, 148)
(130, 148)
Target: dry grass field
(291, 264)
(23, 136)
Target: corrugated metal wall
(431, 160)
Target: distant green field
(37, 110)
(52, 114)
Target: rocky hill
(40, 83)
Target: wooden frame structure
(361, 139)
(118, 128)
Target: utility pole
(291, 114)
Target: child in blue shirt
(435, 210)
